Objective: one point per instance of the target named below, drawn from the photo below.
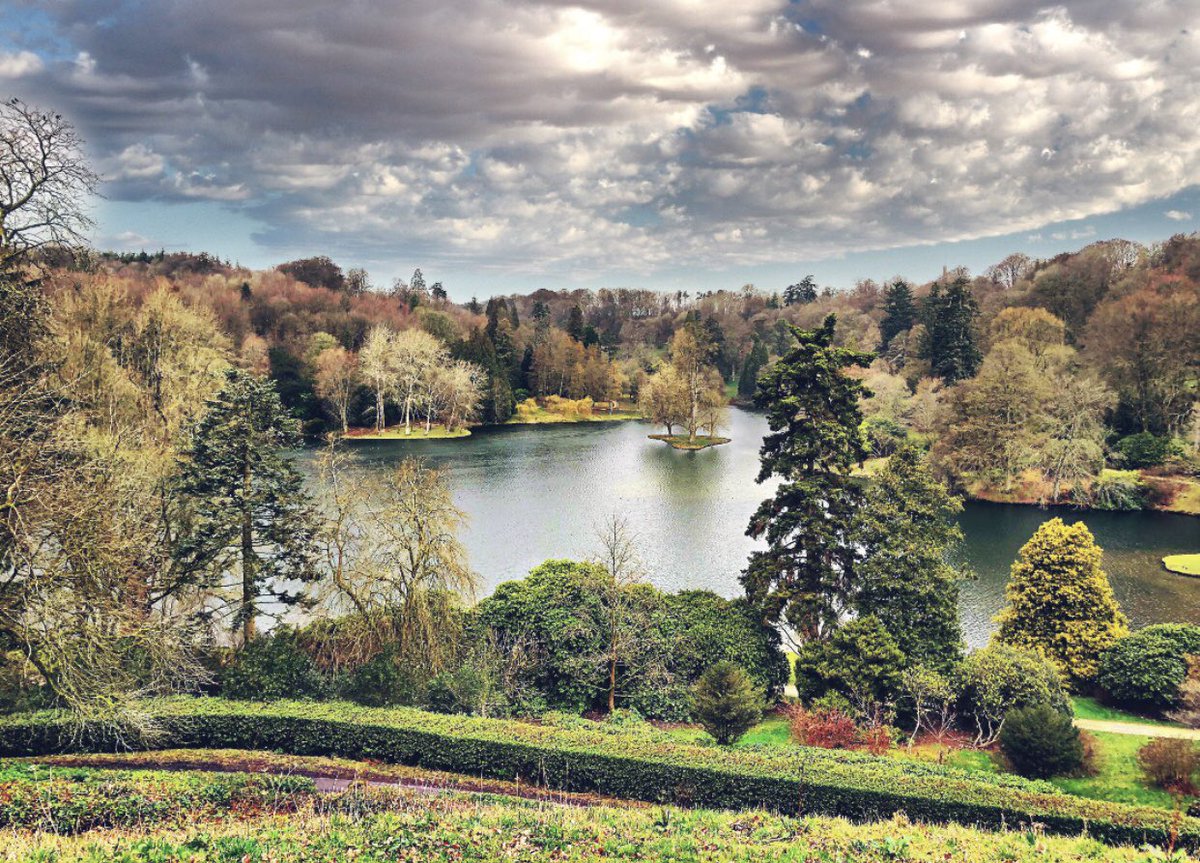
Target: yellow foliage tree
(1060, 602)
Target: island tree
(806, 577)
(248, 526)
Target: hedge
(641, 765)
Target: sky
(509, 145)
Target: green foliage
(805, 575)
(245, 508)
(860, 661)
(704, 629)
(1000, 678)
(1041, 742)
(951, 341)
(637, 765)
(1118, 490)
(727, 704)
(1145, 670)
(906, 532)
(884, 435)
(273, 666)
(1145, 449)
(1060, 602)
(748, 379)
(899, 311)
(382, 681)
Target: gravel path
(1137, 728)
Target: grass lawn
(542, 416)
(1184, 564)
(1118, 777)
(680, 441)
(418, 433)
(1090, 708)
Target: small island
(1183, 564)
(682, 441)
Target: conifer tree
(575, 324)
(248, 525)
(906, 581)
(726, 702)
(748, 380)
(806, 575)
(951, 342)
(899, 311)
(1060, 602)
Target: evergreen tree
(246, 513)
(1060, 602)
(513, 317)
(905, 531)
(952, 343)
(726, 702)
(899, 311)
(804, 291)
(497, 404)
(806, 576)
(748, 380)
(437, 291)
(473, 306)
(575, 323)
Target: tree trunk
(248, 589)
(379, 418)
(612, 684)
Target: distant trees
(805, 577)
(1060, 602)
(248, 526)
(899, 311)
(321, 272)
(337, 381)
(757, 359)
(804, 291)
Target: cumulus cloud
(556, 137)
(1178, 215)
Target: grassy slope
(424, 827)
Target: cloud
(1178, 215)
(19, 64)
(581, 138)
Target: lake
(536, 492)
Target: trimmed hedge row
(641, 765)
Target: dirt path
(1137, 728)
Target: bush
(726, 702)
(273, 666)
(1114, 490)
(382, 682)
(638, 766)
(860, 661)
(884, 435)
(1170, 764)
(999, 679)
(1145, 670)
(1040, 742)
(1145, 450)
(824, 728)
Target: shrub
(726, 702)
(1145, 670)
(1145, 450)
(884, 435)
(1040, 742)
(1170, 763)
(998, 679)
(861, 661)
(1114, 490)
(273, 666)
(382, 682)
(823, 728)
(639, 766)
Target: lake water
(536, 492)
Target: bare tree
(337, 379)
(44, 183)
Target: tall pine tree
(248, 525)
(899, 311)
(952, 341)
(748, 380)
(806, 576)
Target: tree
(727, 704)
(320, 272)
(859, 661)
(663, 399)
(1146, 669)
(804, 291)
(806, 576)
(247, 516)
(376, 362)
(700, 384)
(414, 356)
(1060, 602)
(998, 679)
(899, 311)
(575, 323)
(748, 380)
(337, 381)
(1040, 742)
(44, 183)
(907, 530)
(1010, 271)
(392, 550)
(951, 343)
